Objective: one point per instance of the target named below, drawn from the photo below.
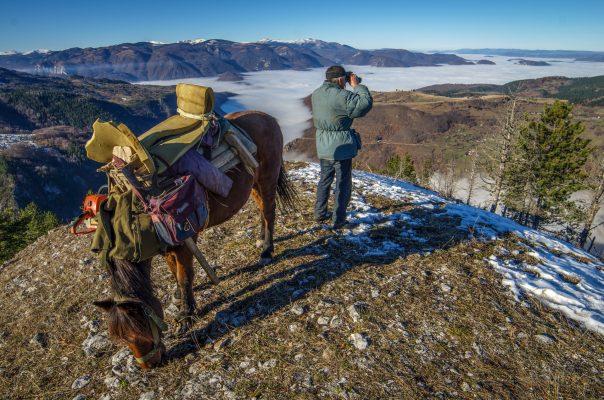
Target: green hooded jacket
(333, 111)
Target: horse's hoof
(265, 261)
(183, 325)
(259, 243)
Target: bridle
(156, 324)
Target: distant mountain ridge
(145, 61)
(578, 55)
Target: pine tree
(547, 167)
(408, 169)
(401, 168)
(19, 228)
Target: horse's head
(138, 325)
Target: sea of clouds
(280, 93)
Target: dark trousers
(342, 169)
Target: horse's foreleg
(184, 280)
(170, 258)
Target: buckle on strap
(154, 319)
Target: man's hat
(335, 71)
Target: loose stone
(356, 310)
(40, 339)
(545, 339)
(81, 382)
(298, 310)
(359, 340)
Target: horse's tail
(286, 193)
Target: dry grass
(440, 323)
(570, 278)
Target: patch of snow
(564, 277)
(8, 140)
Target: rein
(156, 324)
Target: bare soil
(425, 125)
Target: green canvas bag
(124, 230)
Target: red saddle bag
(180, 212)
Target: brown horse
(135, 315)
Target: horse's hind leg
(265, 198)
(260, 204)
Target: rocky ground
(406, 306)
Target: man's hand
(353, 80)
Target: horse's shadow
(295, 282)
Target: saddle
(149, 193)
(195, 126)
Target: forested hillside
(585, 91)
(48, 166)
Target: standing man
(333, 109)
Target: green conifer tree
(401, 168)
(546, 167)
(19, 228)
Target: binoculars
(348, 74)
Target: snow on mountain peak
(299, 41)
(38, 51)
(193, 41)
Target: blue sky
(416, 25)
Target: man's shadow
(296, 282)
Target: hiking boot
(324, 217)
(343, 225)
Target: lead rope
(199, 117)
(156, 324)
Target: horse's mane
(132, 280)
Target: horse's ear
(104, 305)
(128, 304)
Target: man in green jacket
(333, 109)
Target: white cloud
(280, 93)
